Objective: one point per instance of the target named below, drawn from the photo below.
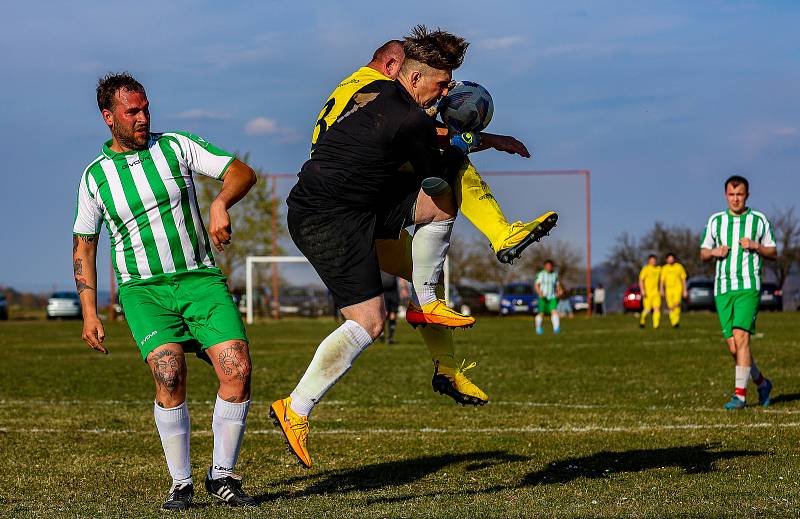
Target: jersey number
(323, 126)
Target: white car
(492, 300)
(64, 305)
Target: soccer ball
(468, 107)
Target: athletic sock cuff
(231, 410)
(172, 414)
(357, 333)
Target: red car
(632, 300)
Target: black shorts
(340, 245)
(392, 300)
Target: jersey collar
(111, 154)
(745, 213)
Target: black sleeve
(416, 140)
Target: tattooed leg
(231, 360)
(169, 373)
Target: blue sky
(660, 100)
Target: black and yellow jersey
(339, 98)
(357, 158)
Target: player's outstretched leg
(509, 240)
(447, 379)
(333, 358)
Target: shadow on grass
(695, 459)
(782, 399)
(389, 474)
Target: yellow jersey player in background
(673, 288)
(649, 279)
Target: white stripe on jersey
(148, 199)
(735, 255)
(198, 226)
(173, 189)
(748, 231)
(723, 238)
(126, 215)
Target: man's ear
(415, 77)
(108, 117)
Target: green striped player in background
(548, 288)
(737, 240)
(175, 299)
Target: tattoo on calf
(234, 361)
(167, 370)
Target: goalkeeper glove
(465, 142)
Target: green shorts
(192, 308)
(737, 309)
(548, 305)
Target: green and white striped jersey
(148, 201)
(741, 269)
(547, 282)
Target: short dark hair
(437, 49)
(111, 83)
(671, 254)
(383, 50)
(548, 261)
(652, 256)
(735, 180)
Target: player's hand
(685, 294)
(94, 334)
(748, 244)
(505, 143)
(721, 251)
(219, 226)
(465, 142)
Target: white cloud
(266, 126)
(500, 43)
(195, 114)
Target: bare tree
(786, 227)
(626, 259)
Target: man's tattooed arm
(84, 253)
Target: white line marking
(430, 430)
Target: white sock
(173, 426)
(228, 424)
(556, 320)
(538, 319)
(742, 374)
(332, 360)
(428, 251)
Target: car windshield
(701, 284)
(294, 291)
(65, 295)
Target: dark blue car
(518, 298)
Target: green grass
(603, 420)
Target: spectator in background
(391, 297)
(599, 300)
(565, 305)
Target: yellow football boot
(437, 312)
(294, 427)
(521, 235)
(453, 383)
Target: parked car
(577, 297)
(473, 301)
(64, 305)
(700, 293)
(771, 298)
(3, 308)
(632, 299)
(304, 301)
(518, 298)
(492, 299)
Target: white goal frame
(252, 260)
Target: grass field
(603, 420)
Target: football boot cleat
(229, 489)
(735, 404)
(294, 427)
(763, 393)
(453, 383)
(180, 497)
(522, 235)
(437, 312)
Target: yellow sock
(439, 341)
(656, 317)
(476, 202)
